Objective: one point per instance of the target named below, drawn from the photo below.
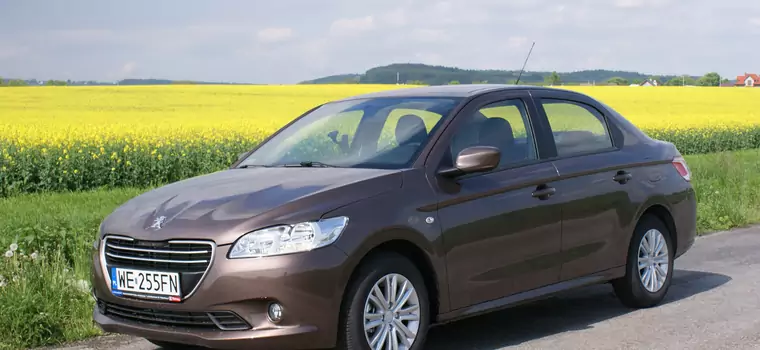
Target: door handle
(543, 192)
(622, 177)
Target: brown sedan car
(367, 220)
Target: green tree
(552, 79)
(617, 81)
(17, 82)
(637, 81)
(682, 80)
(709, 79)
(55, 83)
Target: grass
(44, 298)
(49, 302)
(728, 189)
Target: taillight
(682, 168)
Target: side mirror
(474, 160)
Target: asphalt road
(714, 303)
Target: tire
(378, 270)
(631, 289)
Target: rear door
(594, 180)
(500, 236)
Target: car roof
(457, 90)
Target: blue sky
(288, 41)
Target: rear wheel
(386, 307)
(649, 269)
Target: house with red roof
(748, 79)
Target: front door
(500, 235)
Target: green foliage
(617, 81)
(44, 286)
(682, 80)
(56, 83)
(439, 75)
(709, 79)
(728, 189)
(708, 140)
(81, 166)
(16, 82)
(552, 79)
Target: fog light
(275, 312)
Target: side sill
(530, 295)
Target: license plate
(162, 285)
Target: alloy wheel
(392, 314)
(653, 260)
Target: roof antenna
(526, 62)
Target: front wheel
(386, 307)
(649, 270)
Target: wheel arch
(662, 213)
(417, 255)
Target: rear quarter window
(577, 128)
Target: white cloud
(275, 34)
(640, 3)
(629, 3)
(755, 21)
(430, 35)
(396, 18)
(128, 68)
(515, 42)
(352, 26)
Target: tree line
(421, 74)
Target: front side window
(385, 133)
(504, 125)
(576, 127)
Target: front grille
(158, 256)
(212, 320)
(191, 259)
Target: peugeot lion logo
(158, 222)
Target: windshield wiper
(310, 164)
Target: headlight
(287, 239)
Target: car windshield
(384, 133)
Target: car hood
(224, 205)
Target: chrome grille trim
(157, 250)
(157, 260)
(107, 274)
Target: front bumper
(308, 285)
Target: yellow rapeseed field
(69, 138)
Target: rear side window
(577, 128)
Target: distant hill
(414, 73)
(336, 79)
